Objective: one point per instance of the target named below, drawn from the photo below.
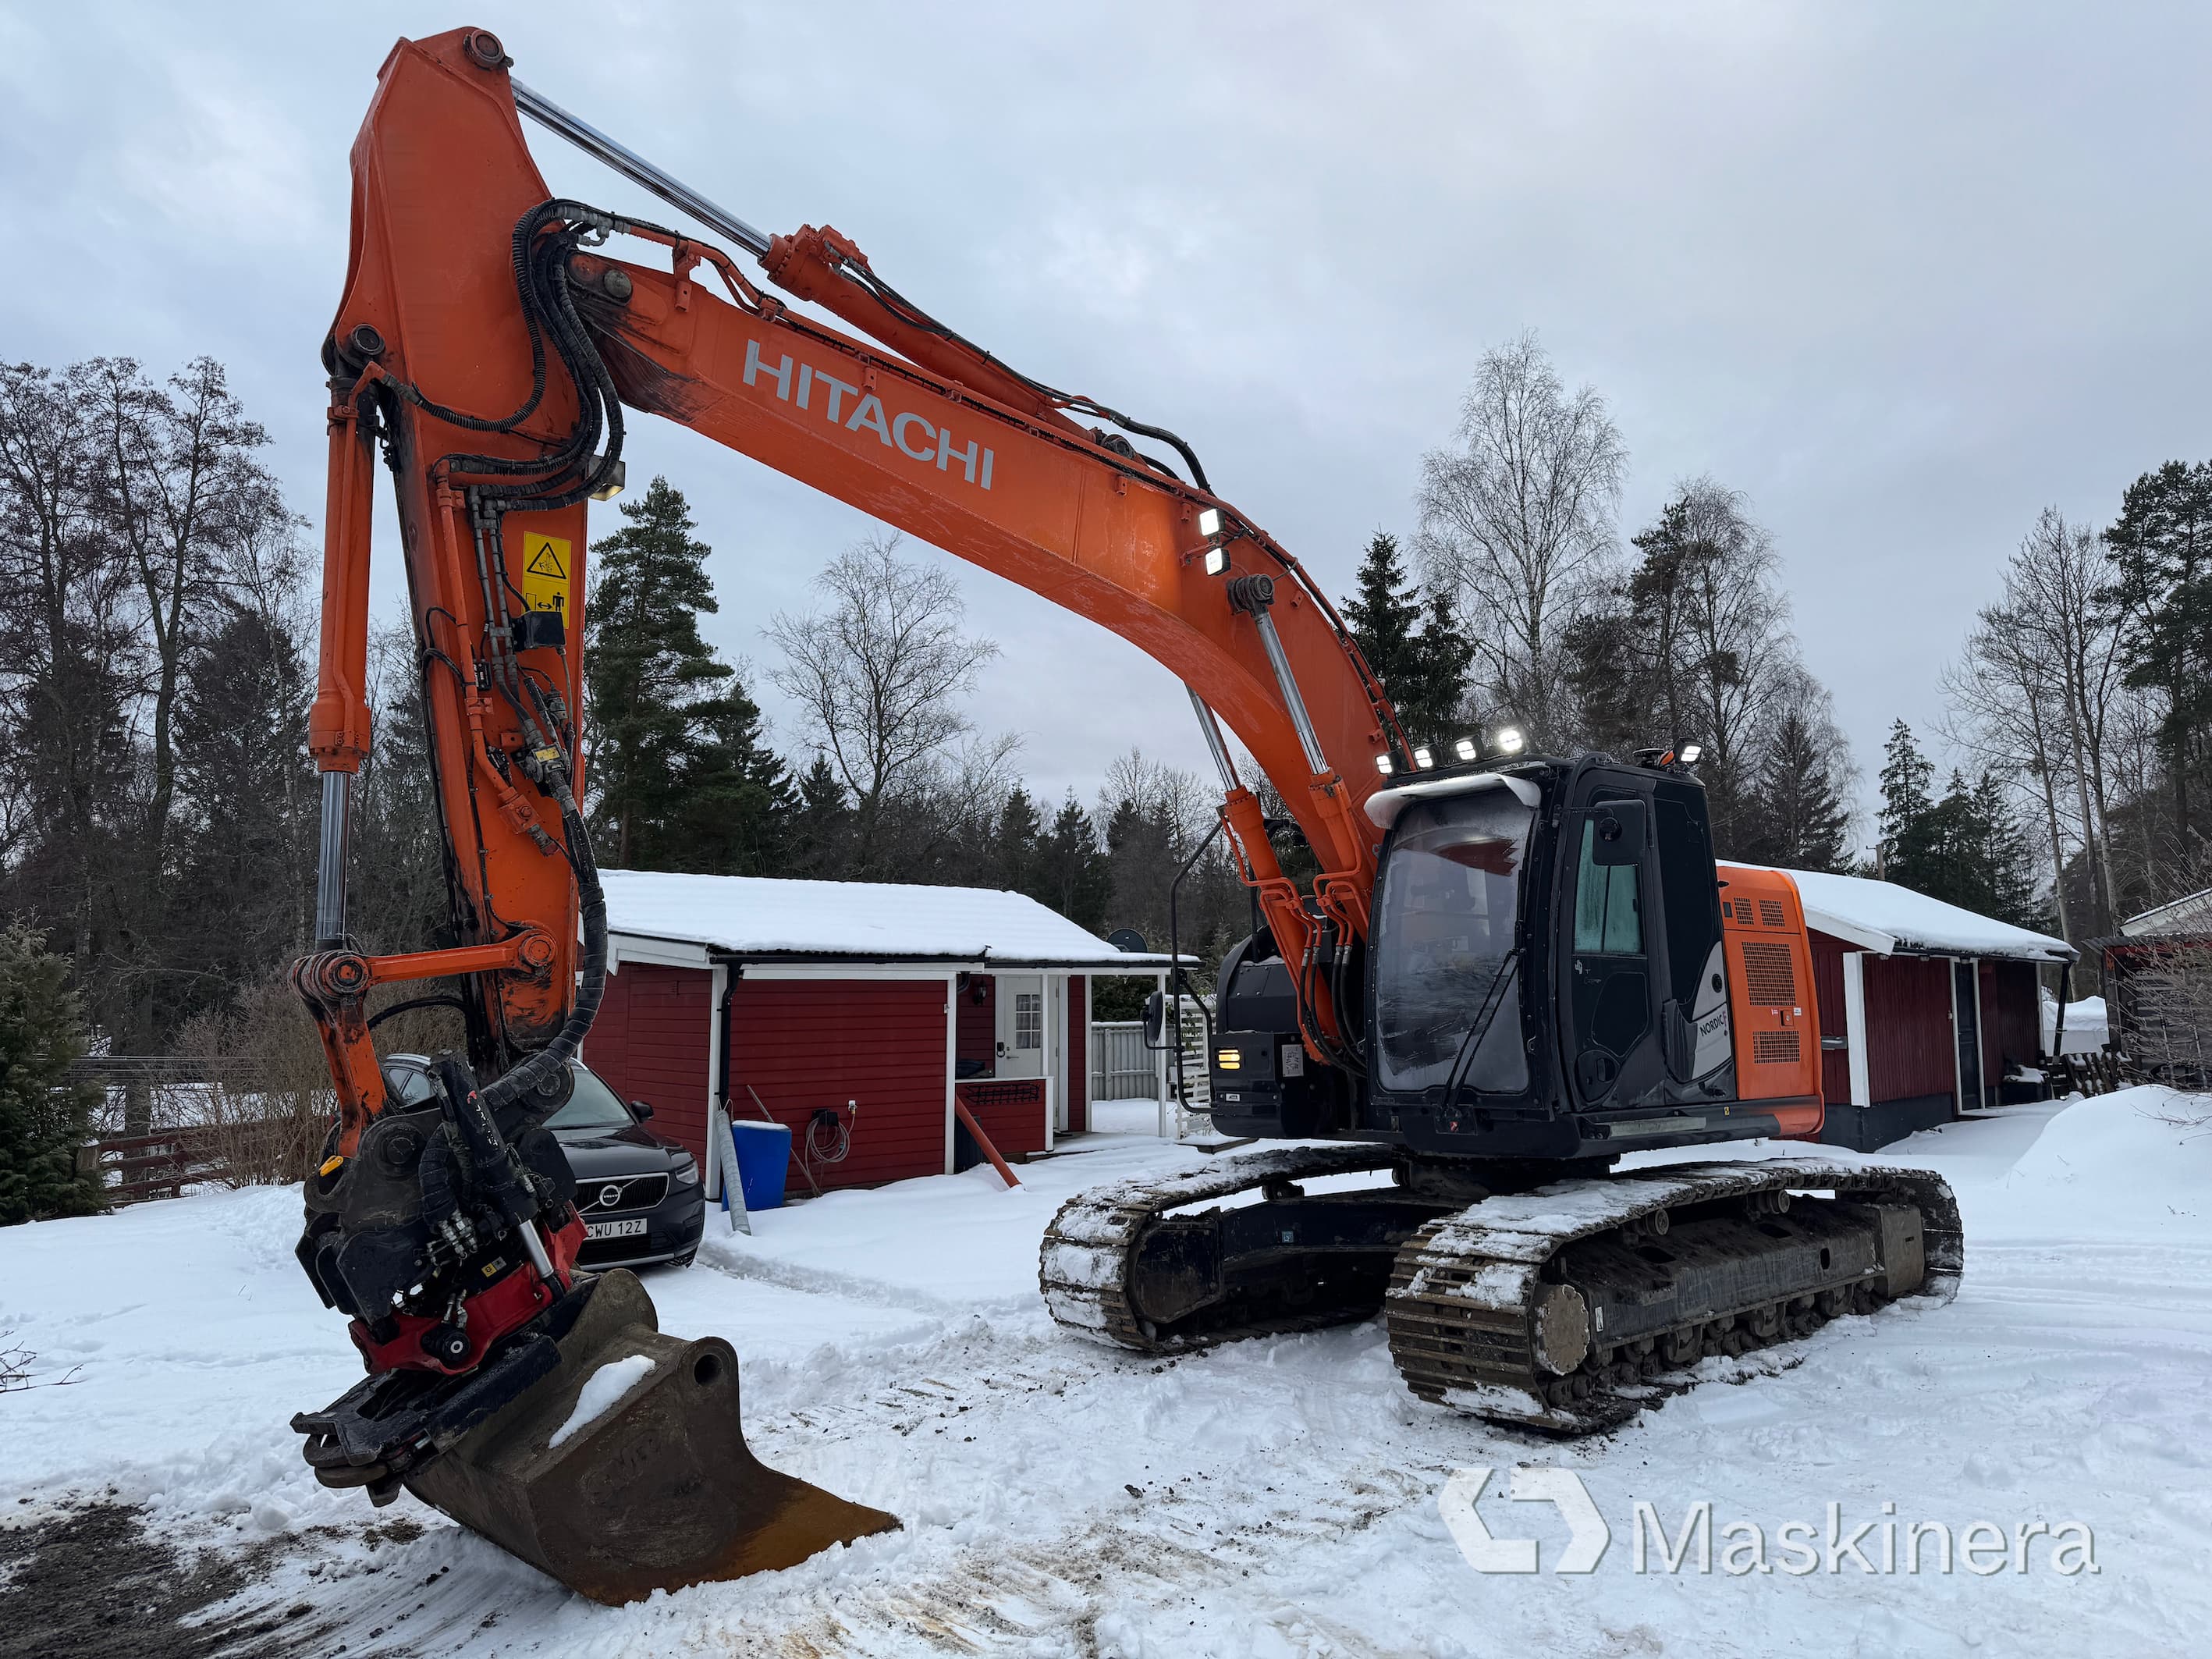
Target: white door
(1021, 1025)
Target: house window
(1028, 1019)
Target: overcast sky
(1902, 274)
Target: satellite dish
(1128, 941)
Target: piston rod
(639, 171)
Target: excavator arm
(486, 348)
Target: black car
(638, 1192)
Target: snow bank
(602, 1392)
(2135, 1162)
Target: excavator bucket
(657, 1490)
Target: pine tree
(44, 1117)
(1418, 649)
(668, 720)
(2161, 544)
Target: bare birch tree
(880, 675)
(1517, 521)
(2007, 709)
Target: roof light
(1382, 764)
(1422, 756)
(1217, 561)
(1690, 753)
(1508, 740)
(1209, 521)
(1466, 749)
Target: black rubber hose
(593, 907)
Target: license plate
(615, 1229)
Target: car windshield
(1444, 932)
(593, 1106)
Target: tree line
(157, 807)
(1531, 610)
(2081, 698)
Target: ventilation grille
(1777, 1048)
(1770, 912)
(1770, 979)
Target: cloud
(1902, 274)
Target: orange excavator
(1509, 971)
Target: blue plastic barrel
(763, 1154)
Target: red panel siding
(1011, 1113)
(1828, 992)
(2012, 1033)
(651, 1043)
(808, 1043)
(979, 1021)
(1909, 1042)
(1079, 1054)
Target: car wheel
(684, 1259)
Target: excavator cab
(1547, 978)
(1550, 979)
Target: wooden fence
(170, 1121)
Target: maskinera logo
(1883, 1545)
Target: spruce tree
(1071, 873)
(820, 837)
(1798, 816)
(1418, 649)
(1014, 848)
(246, 839)
(2009, 864)
(732, 810)
(44, 1117)
(1907, 775)
(679, 777)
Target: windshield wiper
(1493, 998)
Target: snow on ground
(1269, 1498)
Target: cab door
(1611, 1042)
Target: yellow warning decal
(547, 567)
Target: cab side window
(1608, 911)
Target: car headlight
(683, 1171)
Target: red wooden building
(1925, 1009)
(875, 1002)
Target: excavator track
(1089, 1268)
(1571, 1307)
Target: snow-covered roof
(2191, 913)
(1886, 919)
(759, 916)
